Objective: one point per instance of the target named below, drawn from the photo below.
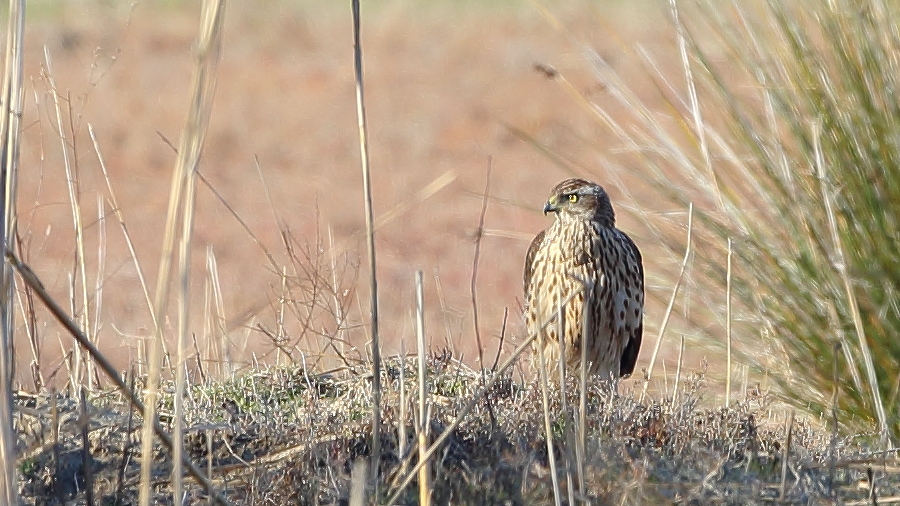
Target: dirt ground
(444, 84)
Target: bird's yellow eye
(573, 198)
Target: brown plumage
(583, 243)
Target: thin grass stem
(668, 313)
(678, 372)
(425, 423)
(728, 328)
(77, 225)
(180, 215)
(10, 131)
(370, 241)
(545, 404)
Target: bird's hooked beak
(550, 206)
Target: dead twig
(479, 232)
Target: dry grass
(10, 133)
(289, 436)
(783, 143)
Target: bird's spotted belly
(563, 282)
(544, 306)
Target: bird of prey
(582, 248)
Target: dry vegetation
(264, 374)
(282, 436)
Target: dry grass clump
(289, 436)
(803, 164)
(781, 130)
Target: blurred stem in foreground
(12, 91)
(178, 228)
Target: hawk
(583, 245)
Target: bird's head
(578, 199)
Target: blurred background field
(448, 85)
